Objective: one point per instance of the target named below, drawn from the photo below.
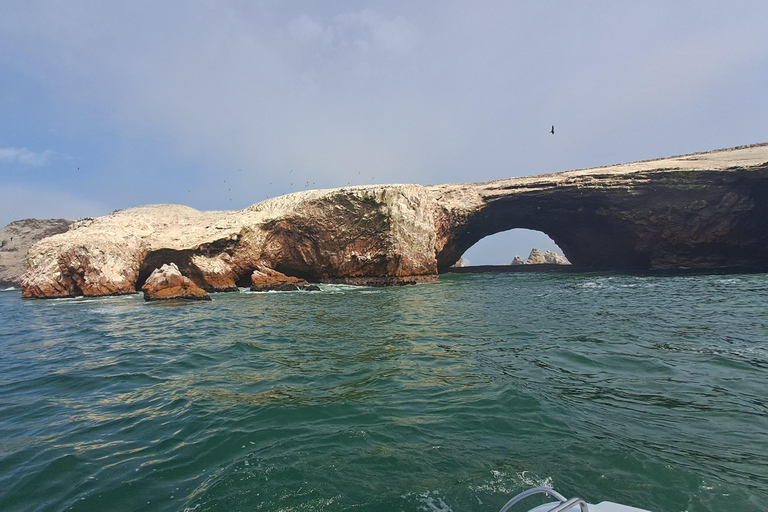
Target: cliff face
(358, 235)
(15, 240)
(705, 210)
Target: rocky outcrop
(536, 257)
(360, 235)
(167, 283)
(265, 279)
(15, 241)
(707, 210)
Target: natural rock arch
(707, 210)
(578, 221)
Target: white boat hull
(603, 506)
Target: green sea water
(645, 390)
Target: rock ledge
(265, 279)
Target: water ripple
(445, 396)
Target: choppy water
(651, 391)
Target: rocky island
(704, 210)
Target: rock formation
(517, 260)
(265, 279)
(706, 210)
(15, 240)
(536, 257)
(167, 282)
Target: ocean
(646, 390)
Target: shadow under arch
(577, 224)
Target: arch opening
(503, 247)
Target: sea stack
(536, 257)
(167, 283)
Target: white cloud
(25, 157)
(395, 35)
(306, 29)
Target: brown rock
(265, 279)
(216, 272)
(167, 282)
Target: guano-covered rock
(706, 210)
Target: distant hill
(15, 240)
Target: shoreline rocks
(265, 279)
(167, 283)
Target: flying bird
(552, 131)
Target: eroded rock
(264, 279)
(167, 282)
(537, 257)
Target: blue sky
(221, 104)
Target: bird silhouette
(552, 131)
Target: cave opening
(501, 248)
(243, 281)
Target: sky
(219, 104)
